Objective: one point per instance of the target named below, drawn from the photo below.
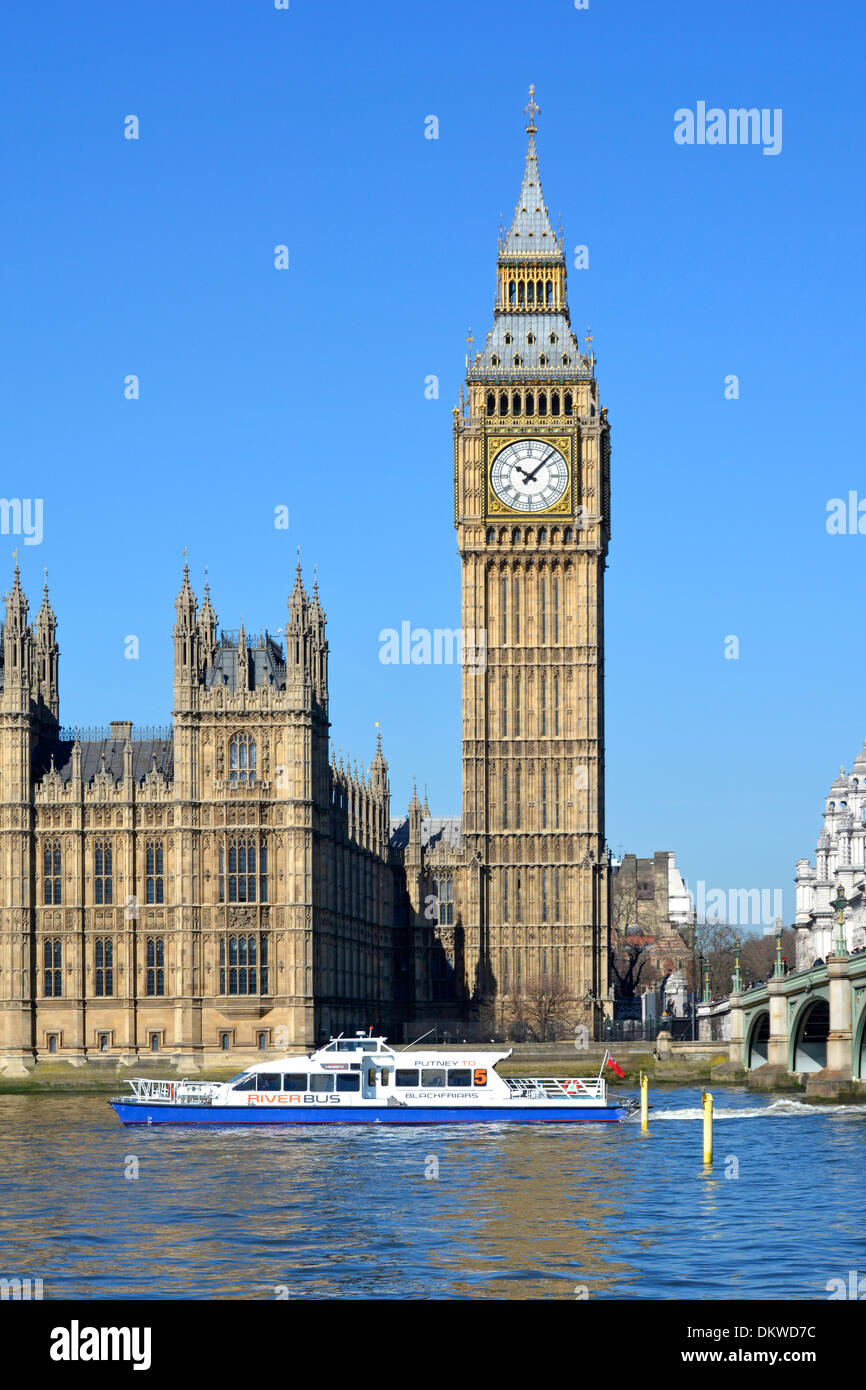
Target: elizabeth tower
(532, 511)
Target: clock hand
(530, 476)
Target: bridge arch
(858, 1051)
(808, 1038)
(758, 1040)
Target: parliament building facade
(224, 885)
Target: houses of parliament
(224, 885)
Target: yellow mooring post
(708, 1126)
(644, 1103)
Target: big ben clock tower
(532, 511)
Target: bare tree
(758, 956)
(545, 1009)
(627, 964)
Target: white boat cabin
(364, 1069)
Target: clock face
(529, 475)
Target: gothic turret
(186, 643)
(207, 626)
(319, 646)
(46, 658)
(17, 650)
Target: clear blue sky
(306, 387)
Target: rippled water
(516, 1212)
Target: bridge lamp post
(839, 904)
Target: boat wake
(777, 1109)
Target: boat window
(406, 1078)
(460, 1078)
(371, 1076)
(348, 1081)
(294, 1081)
(386, 1072)
(322, 1083)
(246, 1083)
(370, 1047)
(348, 1045)
(270, 1081)
(433, 1076)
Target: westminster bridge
(808, 1025)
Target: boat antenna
(417, 1040)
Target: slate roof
(531, 233)
(91, 757)
(267, 665)
(435, 830)
(522, 326)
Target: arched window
(103, 881)
(556, 719)
(544, 822)
(530, 338)
(491, 403)
(154, 872)
(517, 609)
(503, 403)
(542, 536)
(552, 338)
(242, 760)
(103, 960)
(243, 869)
(53, 967)
(491, 535)
(495, 360)
(521, 297)
(244, 964)
(512, 292)
(515, 540)
(565, 359)
(542, 397)
(505, 805)
(508, 338)
(530, 292)
(517, 723)
(51, 868)
(517, 822)
(550, 292)
(515, 402)
(542, 362)
(569, 404)
(530, 403)
(540, 291)
(517, 359)
(155, 957)
(566, 535)
(554, 403)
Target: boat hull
(136, 1113)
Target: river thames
(475, 1212)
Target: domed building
(840, 866)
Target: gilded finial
(532, 110)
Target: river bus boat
(362, 1080)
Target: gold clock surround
(495, 443)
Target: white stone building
(840, 864)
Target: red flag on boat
(616, 1067)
